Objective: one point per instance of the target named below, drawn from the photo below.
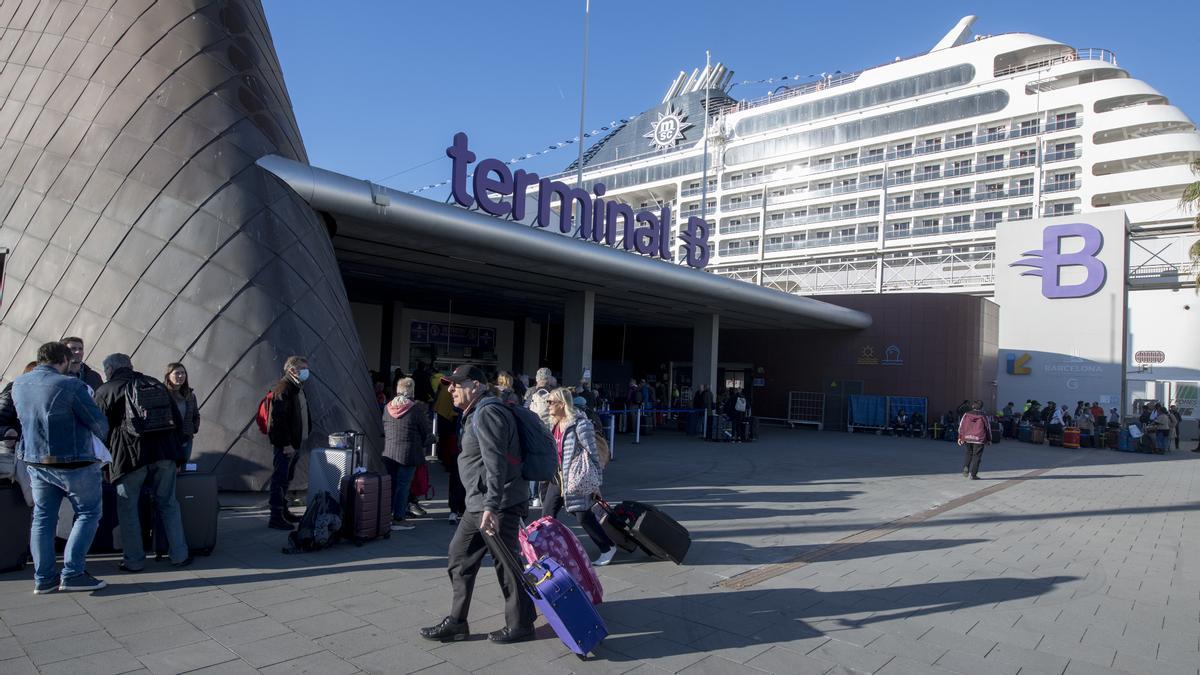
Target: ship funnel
(960, 34)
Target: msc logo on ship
(1015, 365)
(668, 128)
(1049, 261)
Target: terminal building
(157, 200)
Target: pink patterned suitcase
(548, 537)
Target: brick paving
(1092, 566)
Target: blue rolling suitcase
(564, 604)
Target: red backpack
(263, 417)
(975, 428)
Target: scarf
(398, 406)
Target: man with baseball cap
(497, 497)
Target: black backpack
(147, 407)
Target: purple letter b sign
(1048, 261)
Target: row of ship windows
(1057, 121)
(981, 251)
(900, 229)
(1017, 187)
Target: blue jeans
(402, 477)
(161, 476)
(49, 485)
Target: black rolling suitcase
(657, 533)
(15, 520)
(615, 524)
(199, 511)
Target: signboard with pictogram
(1149, 357)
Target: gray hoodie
(490, 461)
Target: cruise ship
(894, 178)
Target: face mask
(302, 375)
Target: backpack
(263, 417)
(602, 449)
(539, 453)
(975, 428)
(148, 407)
(319, 527)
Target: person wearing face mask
(287, 428)
(184, 399)
(61, 464)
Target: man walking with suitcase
(497, 499)
(58, 423)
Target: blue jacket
(58, 418)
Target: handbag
(582, 477)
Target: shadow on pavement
(707, 552)
(647, 628)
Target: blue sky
(380, 87)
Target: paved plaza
(812, 552)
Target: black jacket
(406, 438)
(8, 413)
(286, 426)
(90, 377)
(490, 461)
(133, 452)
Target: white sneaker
(397, 527)
(453, 519)
(605, 558)
(536, 503)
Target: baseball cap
(464, 372)
(543, 374)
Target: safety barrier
(806, 407)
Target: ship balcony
(943, 230)
(843, 214)
(1060, 186)
(822, 242)
(1035, 58)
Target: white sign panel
(1060, 284)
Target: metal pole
(587, 13)
(637, 426)
(704, 179)
(612, 437)
(704, 431)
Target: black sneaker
(184, 563)
(504, 636)
(129, 570)
(448, 630)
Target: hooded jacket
(407, 432)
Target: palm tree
(1190, 202)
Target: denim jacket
(58, 418)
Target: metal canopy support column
(577, 336)
(706, 331)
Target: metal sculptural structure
(138, 220)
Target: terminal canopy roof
(429, 253)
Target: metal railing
(729, 228)
(752, 203)
(961, 199)
(815, 242)
(689, 192)
(1173, 273)
(951, 228)
(1062, 155)
(1085, 54)
(1060, 186)
(821, 217)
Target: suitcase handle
(509, 560)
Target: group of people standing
(71, 431)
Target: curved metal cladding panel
(138, 220)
